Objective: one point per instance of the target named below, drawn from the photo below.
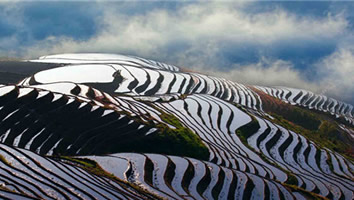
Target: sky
(298, 44)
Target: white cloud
(265, 73)
(334, 75)
(337, 72)
(198, 26)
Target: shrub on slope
(180, 141)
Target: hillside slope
(130, 128)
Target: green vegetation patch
(247, 130)
(180, 141)
(3, 159)
(301, 117)
(89, 165)
(292, 180)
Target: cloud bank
(337, 72)
(335, 75)
(238, 41)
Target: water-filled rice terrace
(103, 126)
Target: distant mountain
(106, 126)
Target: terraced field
(188, 178)
(27, 175)
(101, 126)
(312, 101)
